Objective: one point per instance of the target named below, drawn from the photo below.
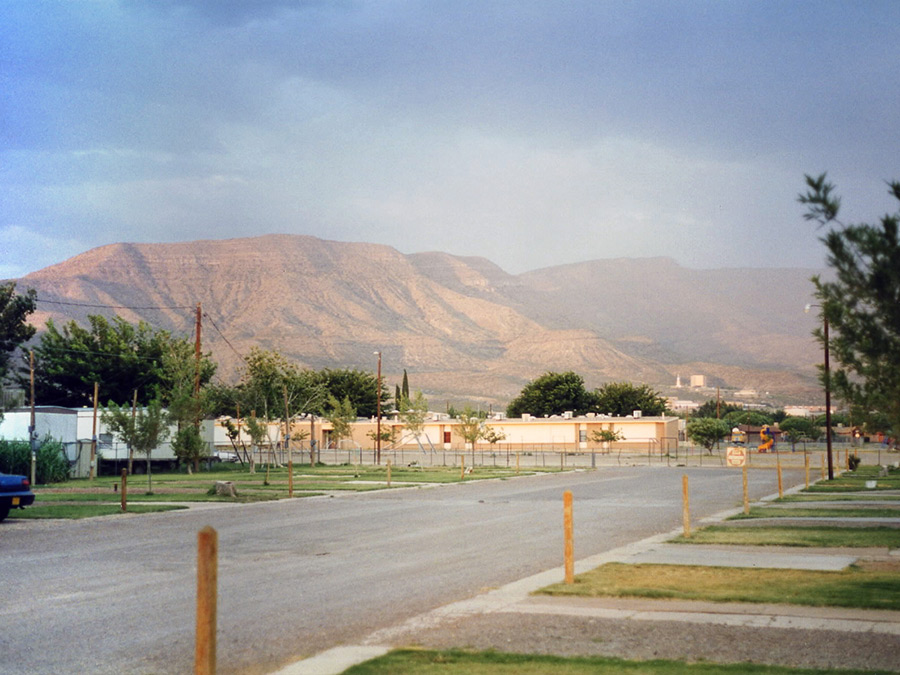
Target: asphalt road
(118, 594)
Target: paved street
(117, 595)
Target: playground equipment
(767, 438)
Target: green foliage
(861, 305)
(492, 436)
(709, 409)
(623, 398)
(707, 431)
(142, 432)
(797, 429)
(414, 412)
(342, 414)
(606, 436)
(51, 465)
(120, 356)
(471, 426)
(14, 327)
(188, 446)
(358, 386)
(553, 394)
(747, 417)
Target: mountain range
(462, 327)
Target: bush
(51, 465)
(853, 462)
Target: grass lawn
(853, 481)
(869, 586)
(459, 662)
(73, 511)
(80, 496)
(838, 497)
(856, 537)
(824, 512)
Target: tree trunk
(149, 475)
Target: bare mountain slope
(463, 325)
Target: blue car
(15, 493)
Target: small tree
(707, 431)
(604, 437)
(144, 432)
(188, 446)
(342, 415)
(492, 436)
(413, 413)
(797, 429)
(471, 428)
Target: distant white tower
(678, 381)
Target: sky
(530, 132)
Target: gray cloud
(532, 133)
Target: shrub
(51, 465)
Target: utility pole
(32, 435)
(378, 413)
(197, 353)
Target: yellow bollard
(806, 466)
(569, 541)
(207, 582)
(780, 483)
(746, 491)
(685, 507)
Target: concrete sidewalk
(511, 619)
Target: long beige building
(562, 433)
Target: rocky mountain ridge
(461, 326)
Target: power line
(222, 335)
(100, 306)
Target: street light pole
(378, 413)
(827, 393)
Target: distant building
(698, 380)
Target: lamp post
(378, 413)
(827, 392)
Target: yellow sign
(735, 456)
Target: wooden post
(389, 473)
(290, 476)
(207, 582)
(462, 467)
(685, 507)
(746, 491)
(823, 466)
(778, 469)
(806, 467)
(562, 460)
(517, 463)
(124, 489)
(569, 543)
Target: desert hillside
(461, 326)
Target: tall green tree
(413, 413)
(359, 386)
(713, 408)
(553, 394)
(120, 356)
(860, 302)
(623, 398)
(14, 327)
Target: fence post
(124, 489)
(685, 507)
(207, 582)
(778, 469)
(806, 467)
(746, 492)
(569, 543)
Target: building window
(582, 435)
